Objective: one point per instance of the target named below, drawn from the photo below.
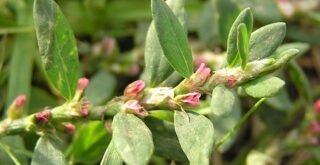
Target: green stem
(239, 124)
(13, 30)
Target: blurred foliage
(110, 38)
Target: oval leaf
(111, 156)
(157, 67)
(172, 38)
(196, 136)
(132, 139)
(243, 44)
(263, 87)
(223, 101)
(165, 139)
(264, 41)
(48, 152)
(57, 47)
(246, 18)
(101, 87)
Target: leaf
(302, 47)
(101, 88)
(57, 47)
(15, 143)
(227, 12)
(47, 151)
(172, 38)
(165, 140)
(243, 44)
(89, 143)
(264, 41)
(132, 139)
(21, 62)
(196, 136)
(263, 87)
(246, 18)
(259, 158)
(208, 29)
(223, 101)
(223, 124)
(300, 80)
(111, 156)
(157, 67)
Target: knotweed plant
(180, 122)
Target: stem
(13, 30)
(239, 124)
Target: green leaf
(300, 80)
(196, 136)
(302, 47)
(246, 18)
(259, 158)
(111, 156)
(89, 143)
(172, 38)
(21, 62)
(223, 101)
(227, 12)
(157, 67)
(223, 124)
(57, 47)
(264, 41)
(47, 150)
(132, 139)
(165, 140)
(243, 44)
(263, 87)
(208, 29)
(16, 145)
(101, 88)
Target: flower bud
(316, 106)
(84, 109)
(82, 83)
(15, 110)
(69, 128)
(315, 127)
(190, 99)
(133, 106)
(203, 72)
(43, 117)
(134, 88)
(231, 81)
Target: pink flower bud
(231, 80)
(109, 44)
(84, 111)
(82, 83)
(191, 99)
(133, 106)
(69, 128)
(315, 127)
(43, 117)
(134, 88)
(20, 100)
(316, 106)
(203, 72)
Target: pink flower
(82, 83)
(191, 99)
(231, 80)
(315, 127)
(69, 128)
(316, 106)
(84, 110)
(133, 106)
(134, 88)
(203, 72)
(43, 117)
(20, 100)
